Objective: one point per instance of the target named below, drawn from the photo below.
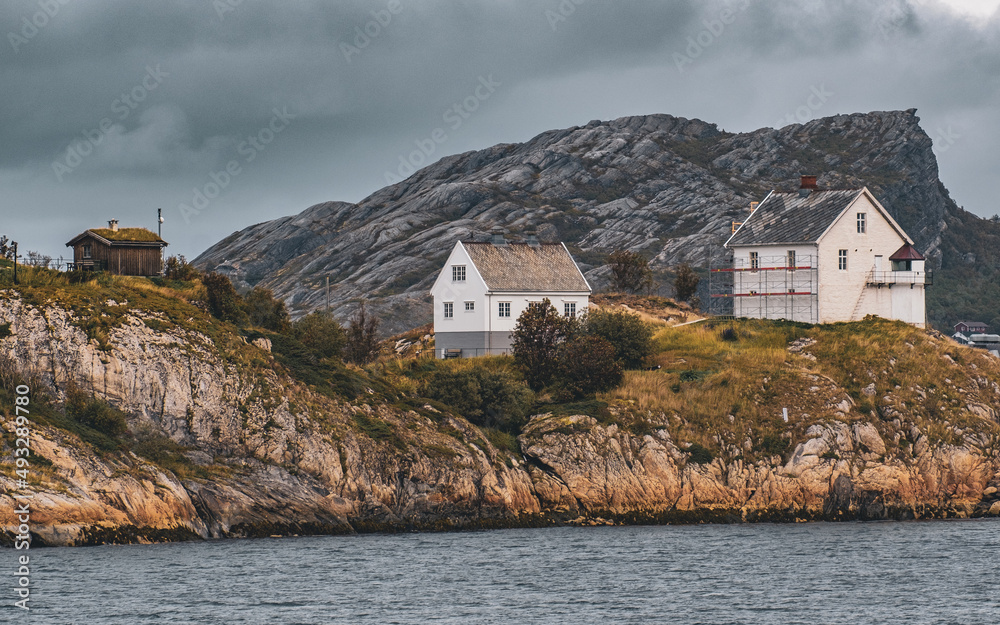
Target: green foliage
(486, 397)
(223, 300)
(378, 430)
(536, 337)
(630, 271)
(167, 453)
(5, 330)
(264, 311)
(6, 248)
(686, 282)
(773, 444)
(321, 333)
(700, 454)
(586, 365)
(362, 344)
(504, 441)
(95, 413)
(629, 335)
(177, 268)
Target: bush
(700, 454)
(487, 398)
(177, 268)
(264, 311)
(586, 365)
(223, 300)
(686, 282)
(362, 345)
(630, 336)
(630, 272)
(536, 337)
(321, 333)
(95, 413)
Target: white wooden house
(484, 287)
(822, 257)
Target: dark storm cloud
(174, 89)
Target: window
(842, 260)
(449, 310)
(791, 260)
(458, 273)
(862, 226)
(470, 306)
(505, 309)
(86, 251)
(754, 261)
(569, 309)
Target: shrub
(362, 345)
(95, 413)
(536, 337)
(321, 333)
(627, 333)
(587, 365)
(686, 282)
(264, 311)
(630, 272)
(700, 454)
(223, 300)
(177, 268)
(5, 330)
(487, 398)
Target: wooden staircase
(857, 306)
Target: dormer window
(458, 273)
(862, 223)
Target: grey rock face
(661, 185)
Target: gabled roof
(907, 252)
(792, 218)
(787, 218)
(523, 268)
(122, 236)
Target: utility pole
(15, 262)
(159, 234)
(327, 292)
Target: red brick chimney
(808, 182)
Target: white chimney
(113, 224)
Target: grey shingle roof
(519, 267)
(790, 218)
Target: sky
(227, 113)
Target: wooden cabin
(123, 251)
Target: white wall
(447, 290)
(841, 290)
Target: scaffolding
(765, 287)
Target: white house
(484, 287)
(822, 257)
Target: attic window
(862, 223)
(458, 273)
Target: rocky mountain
(664, 186)
(230, 445)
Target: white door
(878, 265)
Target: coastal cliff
(222, 441)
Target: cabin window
(791, 260)
(842, 260)
(862, 225)
(449, 310)
(86, 250)
(470, 306)
(505, 309)
(458, 273)
(754, 261)
(569, 309)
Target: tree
(177, 268)
(486, 397)
(265, 311)
(686, 282)
(6, 248)
(587, 365)
(629, 335)
(539, 331)
(223, 300)
(362, 344)
(321, 333)
(630, 272)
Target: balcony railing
(879, 278)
